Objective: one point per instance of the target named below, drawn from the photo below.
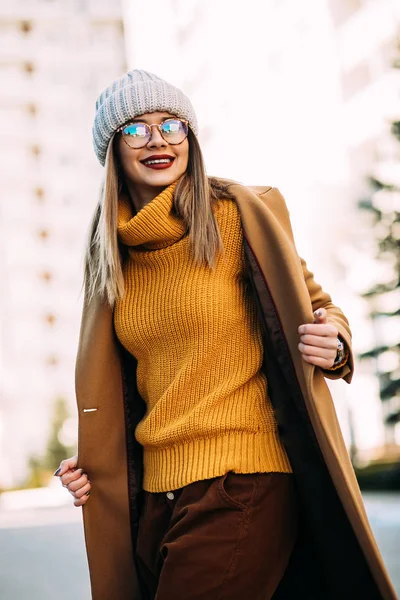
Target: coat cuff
(344, 370)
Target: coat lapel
(267, 230)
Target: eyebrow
(139, 120)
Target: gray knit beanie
(134, 94)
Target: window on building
(43, 234)
(25, 27)
(32, 110)
(50, 319)
(52, 360)
(46, 276)
(36, 150)
(39, 194)
(28, 67)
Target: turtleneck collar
(154, 226)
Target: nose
(156, 140)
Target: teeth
(157, 161)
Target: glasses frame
(158, 125)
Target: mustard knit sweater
(197, 341)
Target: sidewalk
(38, 506)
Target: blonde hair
(194, 198)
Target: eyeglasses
(138, 134)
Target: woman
(216, 464)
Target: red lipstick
(158, 161)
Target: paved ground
(384, 515)
(42, 555)
(42, 549)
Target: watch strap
(341, 355)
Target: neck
(141, 195)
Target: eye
(173, 126)
(135, 130)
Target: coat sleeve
(319, 298)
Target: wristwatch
(340, 352)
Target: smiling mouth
(163, 162)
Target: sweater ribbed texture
(196, 336)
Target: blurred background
(317, 86)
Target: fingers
(70, 476)
(328, 354)
(79, 486)
(319, 329)
(65, 465)
(81, 501)
(318, 361)
(318, 344)
(321, 315)
(82, 495)
(319, 341)
(74, 481)
(83, 491)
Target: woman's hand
(75, 480)
(318, 344)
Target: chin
(162, 179)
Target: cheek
(130, 164)
(184, 156)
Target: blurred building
(55, 58)
(368, 43)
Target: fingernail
(57, 472)
(318, 313)
(87, 493)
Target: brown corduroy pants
(225, 538)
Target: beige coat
(336, 556)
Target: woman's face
(144, 177)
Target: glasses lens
(136, 134)
(174, 131)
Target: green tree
(41, 468)
(56, 451)
(383, 205)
